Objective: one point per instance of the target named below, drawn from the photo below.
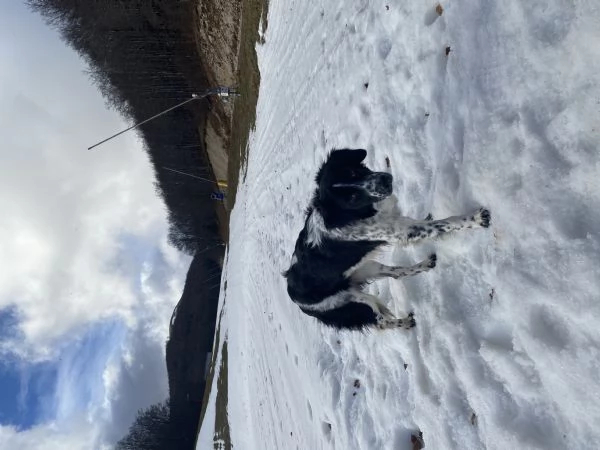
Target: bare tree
(151, 430)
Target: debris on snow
(474, 419)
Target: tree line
(150, 430)
(142, 56)
(154, 429)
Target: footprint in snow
(384, 47)
(326, 429)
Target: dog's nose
(381, 184)
(386, 181)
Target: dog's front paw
(431, 262)
(408, 322)
(482, 217)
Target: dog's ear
(349, 156)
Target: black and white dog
(352, 213)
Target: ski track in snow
(507, 323)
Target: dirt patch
(218, 151)
(226, 36)
(254, 14)
(227, 33)
(216, 28)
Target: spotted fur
(351, 214)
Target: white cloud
(48, 437)
(64, 208)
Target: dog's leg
(378, 308)
(389, 226)
(423, 266)
(371, 270)
(385, 318)
(433, 228)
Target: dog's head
(347, 182)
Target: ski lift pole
(221, 91)
(194, 97)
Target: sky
(87, 279)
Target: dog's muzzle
(378, 185)
(381, 184)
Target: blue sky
(64, 386)
(24, 393)
(87, 279)
(22, 390)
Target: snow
(506, 353)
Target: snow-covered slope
(506, 353)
